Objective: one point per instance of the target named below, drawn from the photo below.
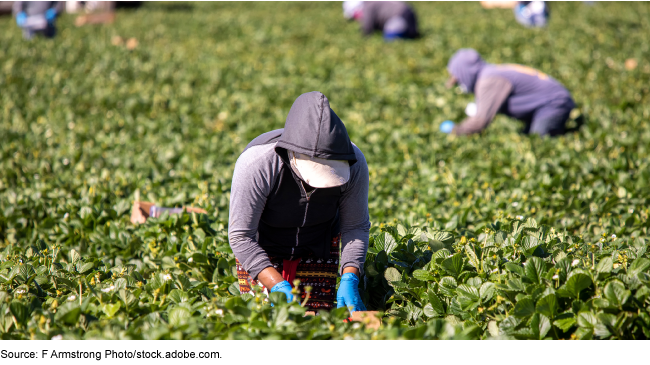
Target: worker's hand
(447, 126)
(283, 287)
(348, 293)
(50, 15)
(21, 18)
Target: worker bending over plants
(521, 92)
(37, 17)
(395, 19)
(297, 193)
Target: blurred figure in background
(395, 19)
(37, 17)
(517, 91)
(532, 14)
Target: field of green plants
(500, 235)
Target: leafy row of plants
(510, 279)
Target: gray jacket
(270, 212)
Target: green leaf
(178, 316)
(423, 275)
(127, 298)
(447, 286)
(547, 305)
(436, 304)
(530, 244)
(638, 266)
(487, 291)
(605, 265)
(84, 268)
(467, 291)
(234, 288)
(565, 324)
(525, 307)
(535, 269)
(540, 325)
(68, 313)
(474, 281)
(179, 296)
(429, 311)
(577, 283)
(111, 309)
(473, 260)
(392, 275)
(441, 236)
(74, 256)
(587, 319)
(514, 268)
(584, 333)
(616, 293)
(454, 265)
(19, 311)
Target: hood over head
(313, 129)
(465, 66)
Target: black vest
(295, 223)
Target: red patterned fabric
(320, 274)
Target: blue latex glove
(283, 287)
(50, 15)
(447, 126)
(348, 293)
(21, 18)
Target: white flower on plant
(109, 289)
(631, 211)
(602, 239)
(190, 260)
(72, 297)
(167, 277)
(66, 215)
(219, 312)
(575, 262)
(520, 217)
(20, 291)
(494, 271)
(556, 276)
(613, 236)
(57, 338)
(515, 204)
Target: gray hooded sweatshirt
(514, 90)
(271, 212)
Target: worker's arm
(491, 93)
(355, 232)
(354, 217)
(252, 182)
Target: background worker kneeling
(521, 92)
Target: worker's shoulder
(361, 159)
(261, 157)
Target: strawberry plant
(494, 235)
